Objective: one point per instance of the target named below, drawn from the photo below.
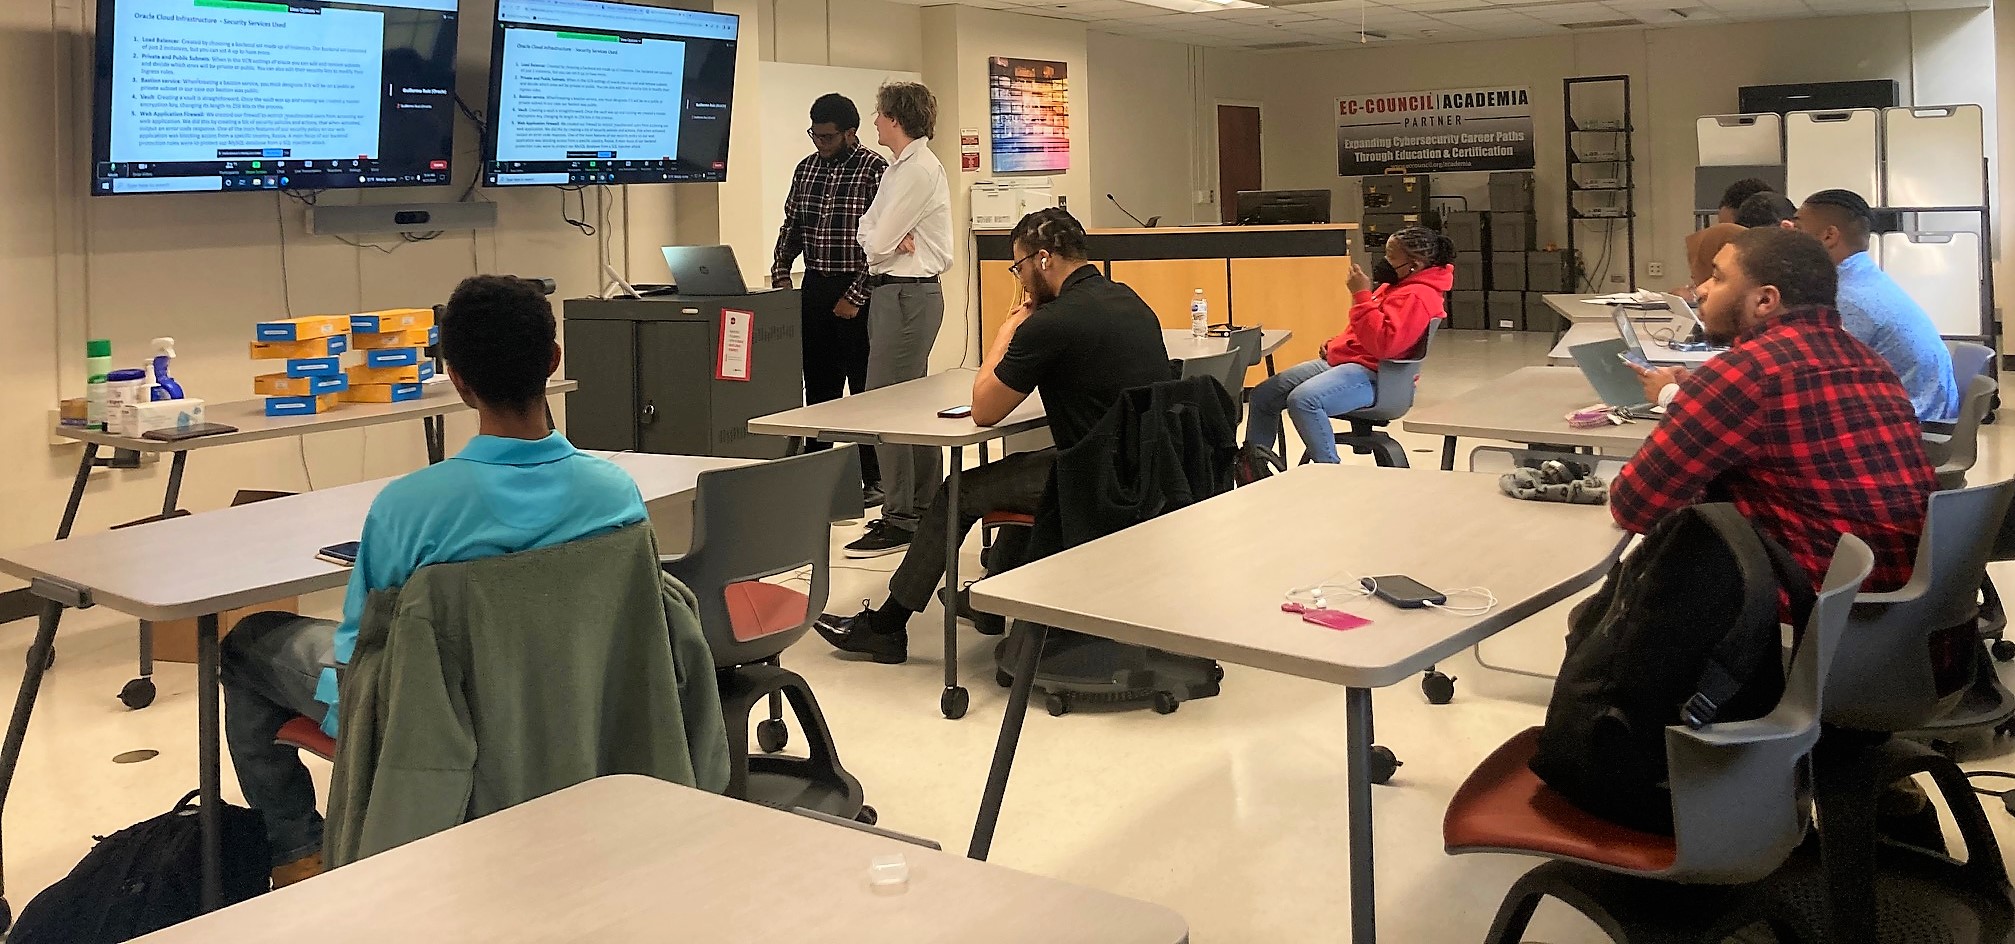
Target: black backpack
(1683, 631)
(146, 877)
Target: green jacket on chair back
(483, 684)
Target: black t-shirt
(1095, 340)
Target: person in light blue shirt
(517, 486)
(1876, 311)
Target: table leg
(1269, 365)
(17, 725)
(1448, 453)
(1357, 756)
(210, 783)
(1026, 661)
(84, 467)
(954, 700)
(174, 492)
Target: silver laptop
(705, 270)
(1614, 381)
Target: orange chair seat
(757, 609)
(1505, 807)
(995, 519)
(301, 733)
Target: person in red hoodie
(1385, 322)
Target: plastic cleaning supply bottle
(165, 387)
(1199, 315)
(97, 364)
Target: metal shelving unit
(1606, 141)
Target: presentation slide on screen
(566, 91)
(199, 77)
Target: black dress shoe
(988, 624)
(856, 634)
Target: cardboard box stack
(394, 344)
(312, 378)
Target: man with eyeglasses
(1078, 338)
(830, 190)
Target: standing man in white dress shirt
(907, 235)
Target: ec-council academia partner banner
(1443, 130)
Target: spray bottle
(165, 387)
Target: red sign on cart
(736, 329)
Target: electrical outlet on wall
(1617, 280)
(1655, 269)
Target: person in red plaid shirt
(1803, 428)
(822, 217)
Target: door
(1237, 156)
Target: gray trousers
(269, 666)
(903, 322)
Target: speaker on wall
(1817, 96)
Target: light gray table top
(1183, 345)
(252, 554)
(254, 425)
(1576, 309)
(905, 413)
(1528, 405)
(1589, 331)
(628, 858)
(1208, 580)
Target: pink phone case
(1334, 619)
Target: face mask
(1382, 273)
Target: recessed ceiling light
(1199, 6)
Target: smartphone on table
(342, 555)
(1403, 592)
(955, 412)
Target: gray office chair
(1739, 808)
(1955, 452)
(1224, 368)
(1247, 342)
(749, 523)
(1397, 379)
(1885, 682)
(1975, 360)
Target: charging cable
(1317, 596)
(2007, 797)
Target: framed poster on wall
(1442, 130)
(1029, 102)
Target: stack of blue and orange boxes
(394, 344)
(313, 348)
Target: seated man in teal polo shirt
(516, 486)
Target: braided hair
(1432, 248)
(1054, 229)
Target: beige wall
(1677, 75)
(1146, 114)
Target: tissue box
(408, 337)
(303, 329)
(282, 385)
(412, 373)
(135, 419)
(315, 367)
(381, 393)
(392, 357)
(391, 319)
(286, 350)
(300, 406)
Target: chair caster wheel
(1165, 703)
(1439, 688)
(1216, 673)
(953, 703)
(2004, 650)
(1058, 704)
(772, 735)
(867, 816)
(1002, 679)
(1383, 763)
(137, 694)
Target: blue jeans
(270, 664)
(1311, 392)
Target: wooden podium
(1272, 276)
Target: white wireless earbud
(1045, 264)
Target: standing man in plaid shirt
(1803, 428)
(822, 216)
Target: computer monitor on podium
(1282, 207)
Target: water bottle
(1199, 315)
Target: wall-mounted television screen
(195, 95)
(594, 92)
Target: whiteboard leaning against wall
(788, 89)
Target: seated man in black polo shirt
(1079, 338)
